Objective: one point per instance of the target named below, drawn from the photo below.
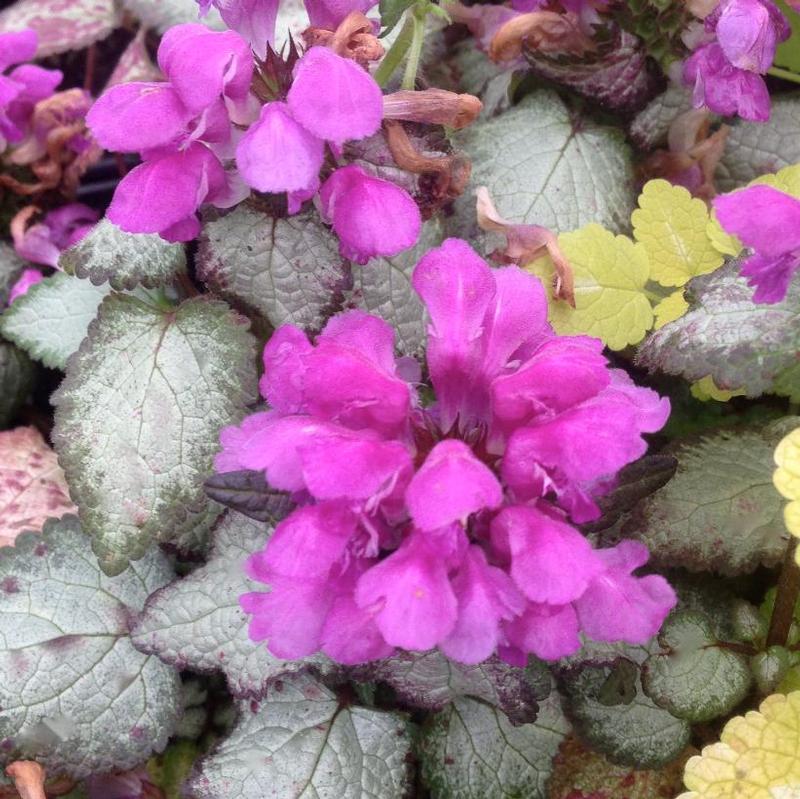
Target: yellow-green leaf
(672, 307)
(610, 275)
(758, 756)
(787, 479)
(721, 241)
(671, 226)
(786, 180)
(706, 389)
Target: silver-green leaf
(124, 260)
(196, 622)
(76, 696)
(720, 512)
(543, 166)
(301, 742)
(286, 270)
(692, 676)
(754, 148)
(163, 14)
(470, 750)
(50, 320)
(383, 287)
(138, 418)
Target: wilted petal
(551, 562)
(410, 596)
(620, 607)
(450, 485)
(138, 116)
(485, 596)
(278, 154)
(334, 98)
(371, 216)
(548, 631)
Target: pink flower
(183, 129)
(23, 86)
(29, 277)
(726, 71)
(767, 221)
(371, 216)
(448, 523)
(58, 230)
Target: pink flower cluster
(23, 87)
(446, 523)
(767, 221)
(739, 47)
(189, 131)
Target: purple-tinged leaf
(617, 76)
(247, 492)
(62, 25)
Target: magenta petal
(291, 616)
(410, 596)
(334, 98)
(346, 387)
(277, 154)
(203, 65)
(16, 47)
(366, 333)
(164, 191)
(350, 635)
(350, 466)
(28, 278)
(283, 382)
(763, 218)
(371, 216)
(748, 31)
(329, 14)
(551, 562)
(548, 631)
(620, 607)
(450, 485)
(770, 275)
(457, 288)
(253, 20)
(184, 230)
(650, 410)
(485, 595)
(138, 116)
(241, 444)
(563, 372)
(307, 543)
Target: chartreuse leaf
(50, 320)
(76, 696)
(724, 334)
(544, 166)
(692, 676)
(286, 270)
(706, 389)
(581, 773)
(429, 680)
(17, 376)
(787, 479)
(300, 741)
(196, 622)
(757, 757)
(611, 712)
(787, 54)
(671, 226)
(124, 260)
(470, 750)
(720, 512)
(672, 307)
(610, 275)
(150, 389)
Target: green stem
(417, 16)
(396, 53)
(785, 598)
(784, 73)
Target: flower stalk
(786, 597)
